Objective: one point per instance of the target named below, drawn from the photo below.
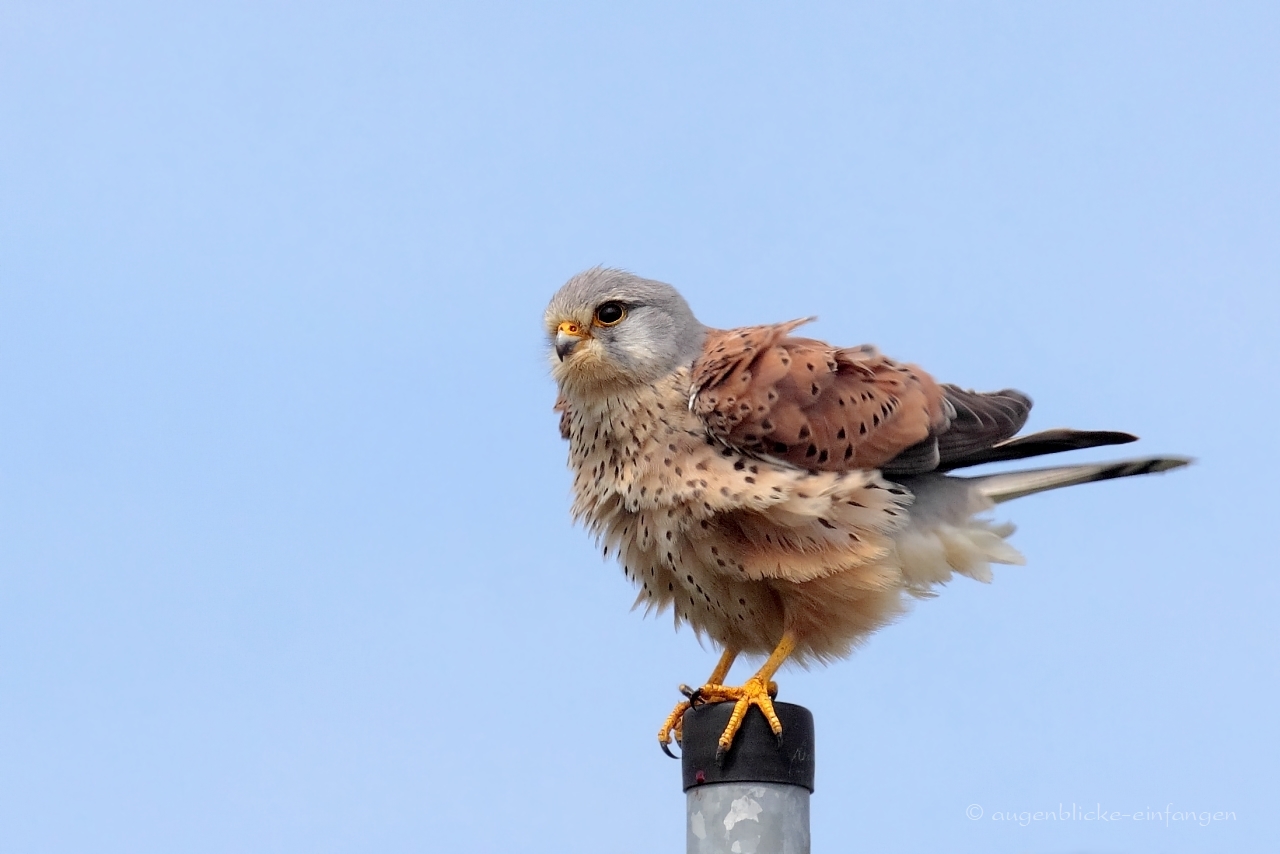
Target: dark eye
(610, 313)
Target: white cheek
(643, 347)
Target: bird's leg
(758, 691)
(673, 725)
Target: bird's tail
(945, 533)
(1007, 486)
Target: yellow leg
(674, 722)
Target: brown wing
(833, 409)
(813, 405)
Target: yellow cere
(568, 327)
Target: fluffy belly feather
(741, 548)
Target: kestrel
(778, 494)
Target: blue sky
(285, 556)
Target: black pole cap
(756, 756)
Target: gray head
(609, 328)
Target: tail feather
(1007, 486)
(945, 535)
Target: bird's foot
(756, 692)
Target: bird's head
(609, 329)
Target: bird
(782, 496)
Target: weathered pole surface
(757, 800)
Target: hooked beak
(568, 336)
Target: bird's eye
(610, 313)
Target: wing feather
(771, 394)
(981, 420)
(815, 406)
(1038, 444)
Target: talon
(673, 726)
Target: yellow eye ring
(610, 313)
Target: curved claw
(672, 727)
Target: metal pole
(757, 800)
